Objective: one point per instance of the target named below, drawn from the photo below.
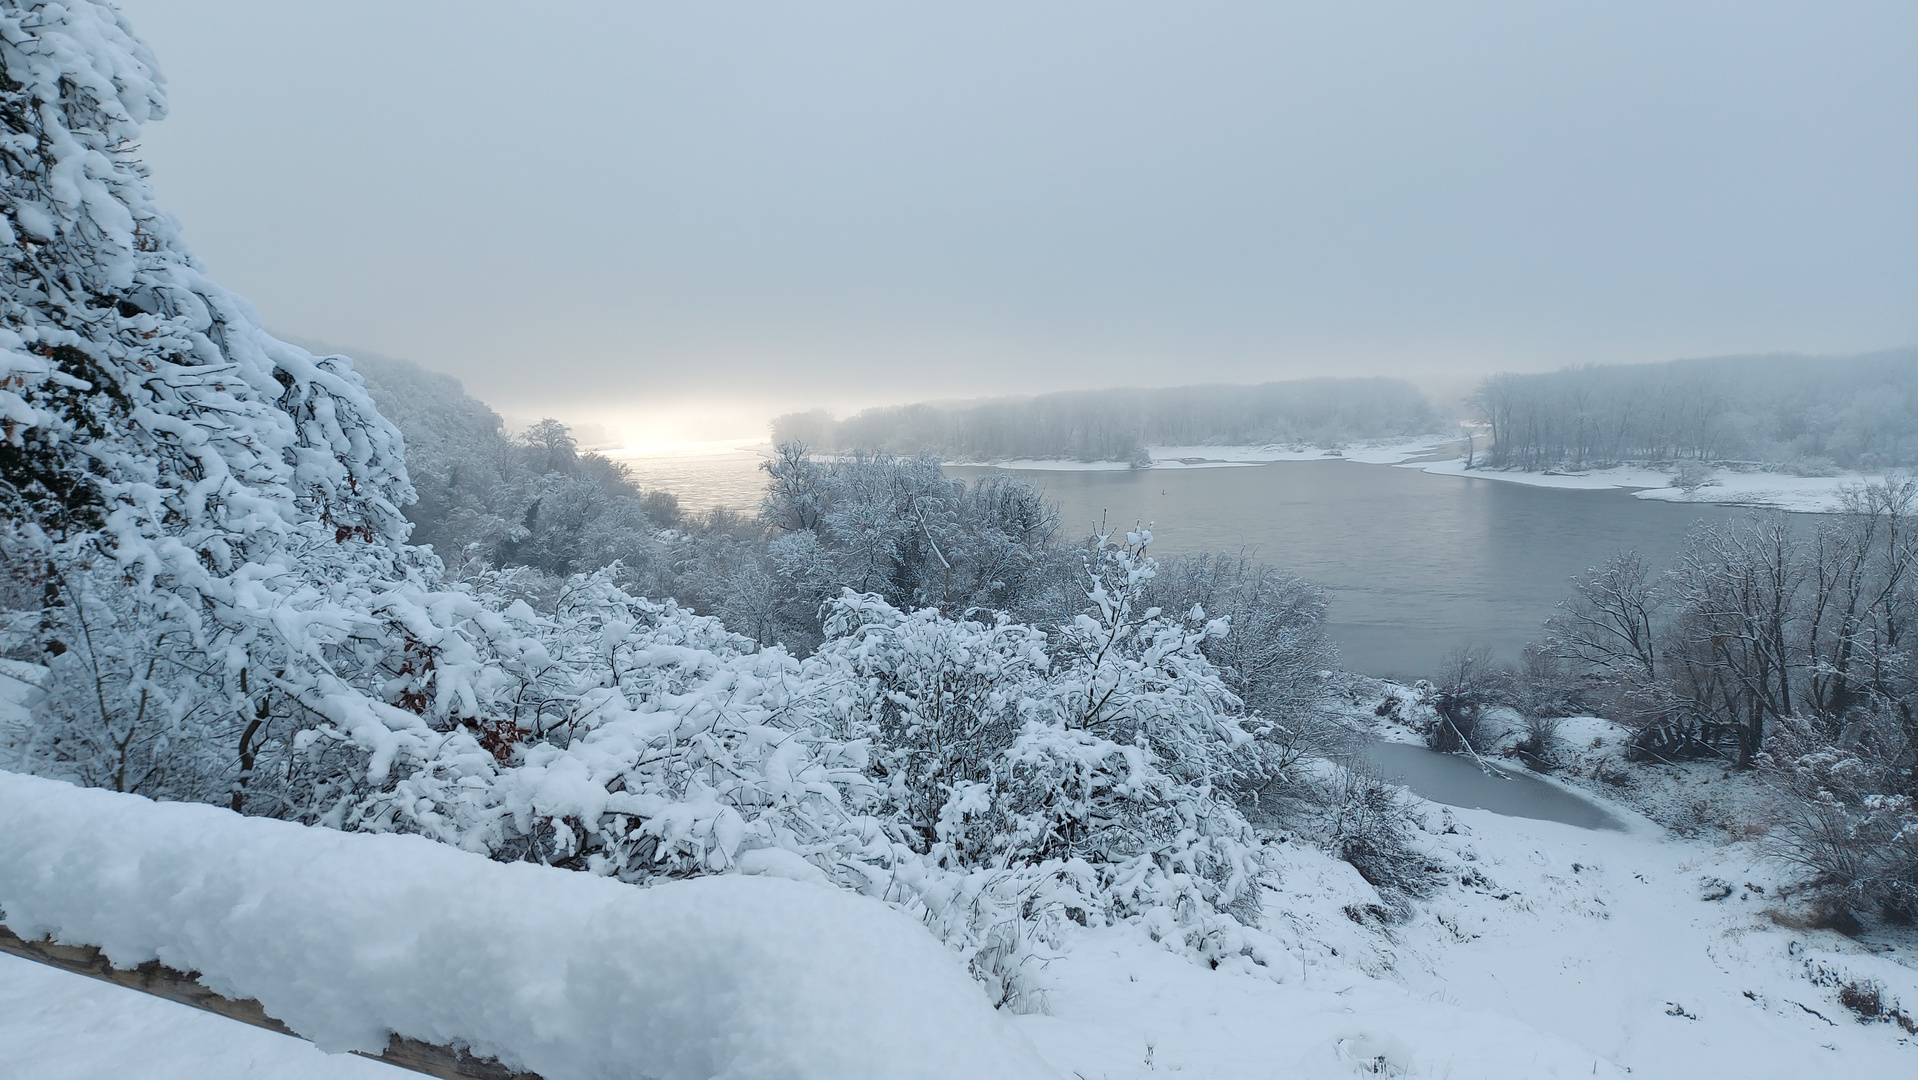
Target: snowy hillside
(923, 789)
(1551, 951)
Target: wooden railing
(153, 977)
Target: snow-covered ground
(1736, 487)
(1553, 951)
(1226, 457)
(1772, 490)
(1549, 951)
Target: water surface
(1456, 780)
(1416, 563)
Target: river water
(1416, 564)
(1457, 780)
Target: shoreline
(1438, 455)
(1236, 456)
(1757, 489)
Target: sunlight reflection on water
(702, 475)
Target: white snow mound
(346, 937)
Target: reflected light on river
(702, 475)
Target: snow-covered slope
(1551, 951)
(1663, 954)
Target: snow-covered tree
(207, 513)
(1782, 644)
(901, 528)
(1810, 413)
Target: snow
(57, 1026)
(1758, 488)
(1236, 456)
(346, 937)
(1551, 951)
(1770, 490)
(1604, 938)
(1122, 1009)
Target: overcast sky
(642, 212)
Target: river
(1416, 564)
(1457, 780)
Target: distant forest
(1117, 425)
(1816, 414)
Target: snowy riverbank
(1769, 490)
(1723, 486)
(1238, 456)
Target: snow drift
(348, 937)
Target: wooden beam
(153, 977)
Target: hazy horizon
(694, 219)
(1118, 660)
(706, 425)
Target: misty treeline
(1118, 425)
(489, 499)
(1780, 644)
(1812, 414)
(209, 591)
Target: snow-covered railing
(350, 939)
(184, 987)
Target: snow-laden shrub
(1040, 780)
(946, 765)
(940, 701)
(1851, 825)
(1541, 746)
(943, 765)
(1133, 671)
(1278, 649)
(1371, 827)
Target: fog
(1120, 424)
(1187, 421)
(1851, 412)
(693, 218)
